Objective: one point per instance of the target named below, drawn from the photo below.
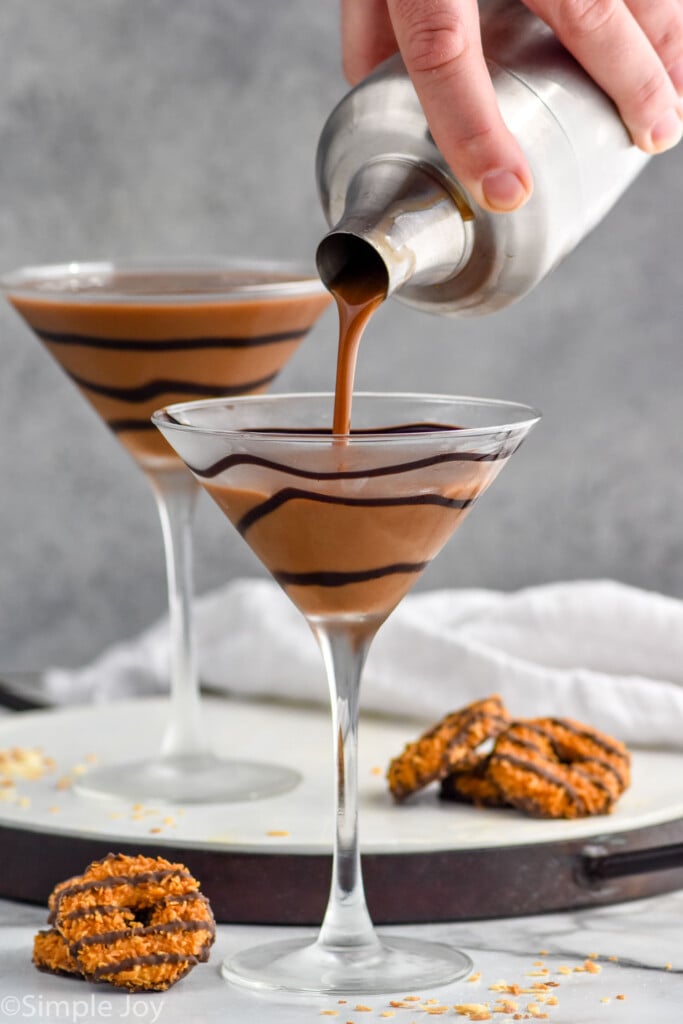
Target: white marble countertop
(638, 974)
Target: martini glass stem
(347, 924)
(175, 491)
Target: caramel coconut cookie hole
(138, 923)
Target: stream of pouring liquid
(357, 297)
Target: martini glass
(346, 524)
(132, 335)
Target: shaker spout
(399, 224)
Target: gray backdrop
(138, 127)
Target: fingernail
(503, 190)
(676, 76)
(666, 132)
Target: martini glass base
(189, 780)
(301, 966)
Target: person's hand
(633, 49)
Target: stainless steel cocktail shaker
(390, 196)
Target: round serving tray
(268, 861)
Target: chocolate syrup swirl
(157, 388)
(326, 578)
(281, 498)
(168, 344)
(129, 357)
(124, 426)
(237, 459)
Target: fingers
(625, 48)
(441, 45)
(633, 49)
(663, 25)
(367, 37)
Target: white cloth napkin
(599, 651)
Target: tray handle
(598, 864)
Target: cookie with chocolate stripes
(452, 744)
(558, 768)
(139, 923)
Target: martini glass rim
(92, 282)
(526, 416)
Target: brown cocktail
(133, 337)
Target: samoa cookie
(136, 922)
(558, 768)
(449, 745)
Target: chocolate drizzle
(326, 578)
(378, 513)
(288, 494)
(184, 341)
(103, 909)
(124, 426)
(543, 772)
(150, 960)
(443, 458)
(168, 344)
(590, 736)
(110, 881)
(157, 388)
(587, 736)
(109, 938)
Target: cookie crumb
(505, 1006)
(473, 1010)
(24, 763)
